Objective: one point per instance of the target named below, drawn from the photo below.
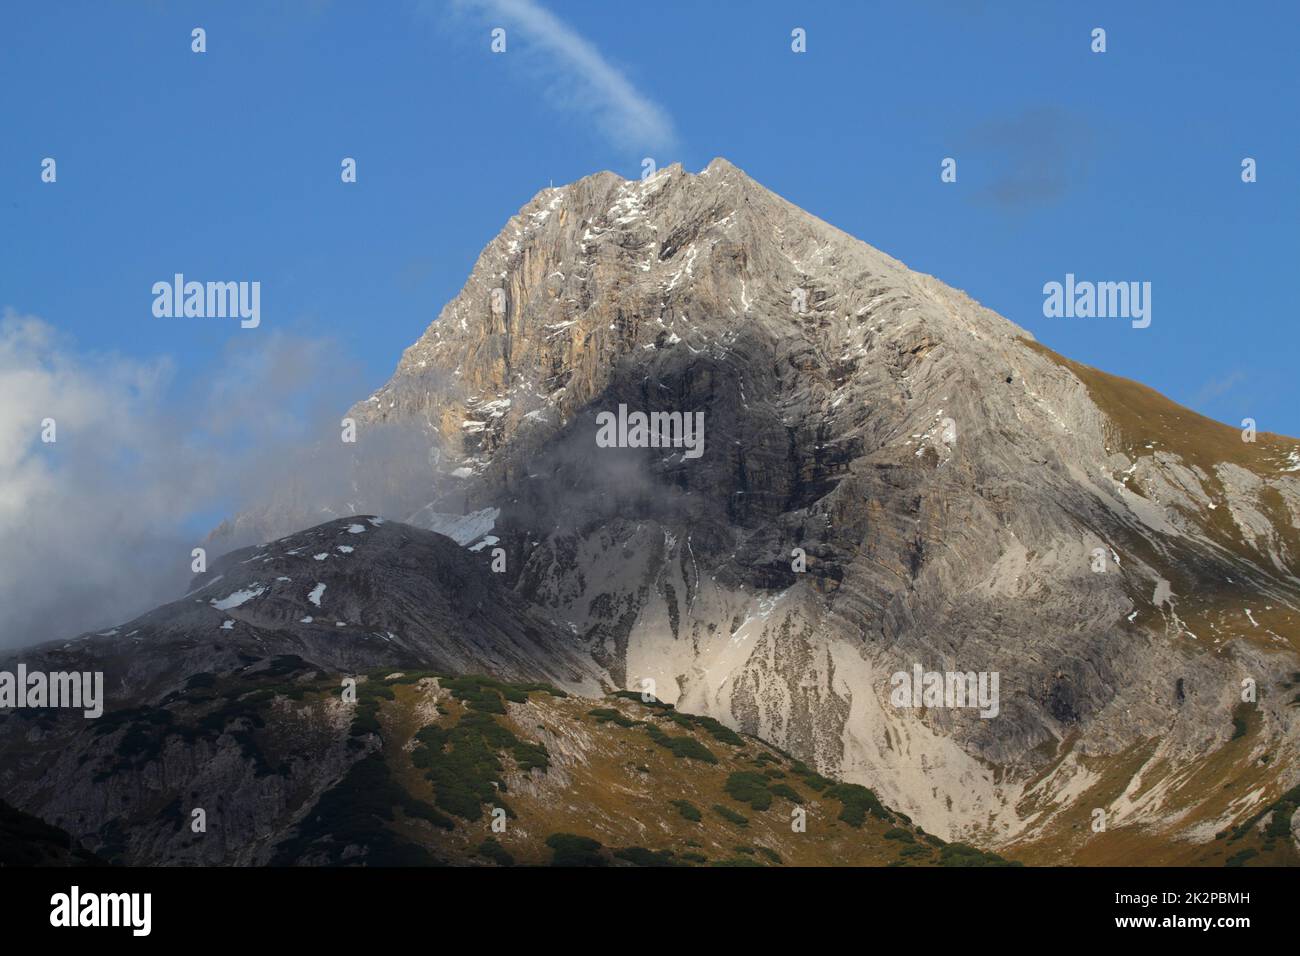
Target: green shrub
(683, 747)
(640, 856)
(1240, 857)
(463, 763)
(489, 695)
(422, 811)
(476, 693)
(494, 851)
(356, 812)
(1292, 797)
(811, 778)
(959, 854)
(730, 815)
(747, 787)
(609, 714)
(688, 810)
(1279, 827)
(857, 802)
(715, 729)
(786, 791)
(572, 850)
(1239, 727)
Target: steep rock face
(954, 486)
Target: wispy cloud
(1217, 388)
(580, 79)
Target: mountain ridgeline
(836, 506)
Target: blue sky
(1116, 166)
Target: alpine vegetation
(436, 684)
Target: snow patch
(238, 598)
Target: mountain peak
(888, 481)
(720, 164)
(942, 473)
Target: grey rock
(948, 479)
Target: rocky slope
(341, 598)
(272, 765)
(967, 500)
(892, 477)
(353, 593)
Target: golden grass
(621, 790)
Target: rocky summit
(866, 527)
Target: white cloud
(582, 79)
(78, 516)
(98, 526)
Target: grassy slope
(1234, 775)
(1144, 422)
(612, 795)
(1144, 417)
(1209, 604)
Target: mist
(97, 525)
